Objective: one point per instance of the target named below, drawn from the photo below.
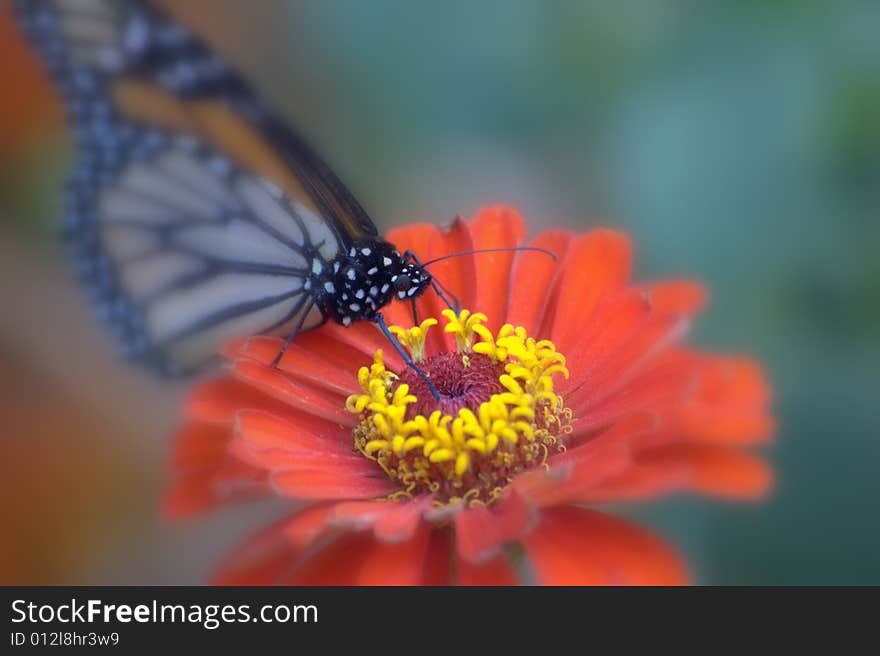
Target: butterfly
(195, 214)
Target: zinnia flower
(563, 386)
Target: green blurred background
(737, 141)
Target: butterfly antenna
(512, 249)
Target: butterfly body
(194, 213)
(356, 287)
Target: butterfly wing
(186, 251)
(195, 214)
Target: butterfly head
(410, 281)
(369, 277)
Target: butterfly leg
(380, 322)
(415, 312)
(303, 314)
(454, 304)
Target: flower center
(462, 382)
(497, 415)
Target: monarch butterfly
(196, 214)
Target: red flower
(600, 404)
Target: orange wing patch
(216, 125)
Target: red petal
(732, 379)
(638, 483)
(616, 323)
(438, 562)
(658, 388)
(222, 400)
(398, 563)
(598, 265)
(570, 482)
(358, 559)
(533, 280)
(275, 460)
(632, 356)
(716, 470)
(303, 397)
(364, 337)
(322, 484)
(198, 445)
(401, 520)
(497, 571)
(729, 403)
(337, 564)
(392, 521)
(274, 556)
(496, 226)
(358, 515)
(684, 297)
(622, 432)
(575, 546)
(314, 359)
(261, 430)
(414, 237)
(308, 524)
(200, 491)
(481, 531)
(263, 559)
(207, 474)
(218, 400)
(456, 274)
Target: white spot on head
(366, 251)
(412, 290)
(372, 271)
(316, 266)
(351, 274)
(330, 287)
(385, 287)
(374, 291)
(308, 284)
(355, 307)
(359, 293)
(353, 252)
(346, 321)
(336, 267)
(386, 261)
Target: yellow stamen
(473, 453)
(462, 326)
(414, 338)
